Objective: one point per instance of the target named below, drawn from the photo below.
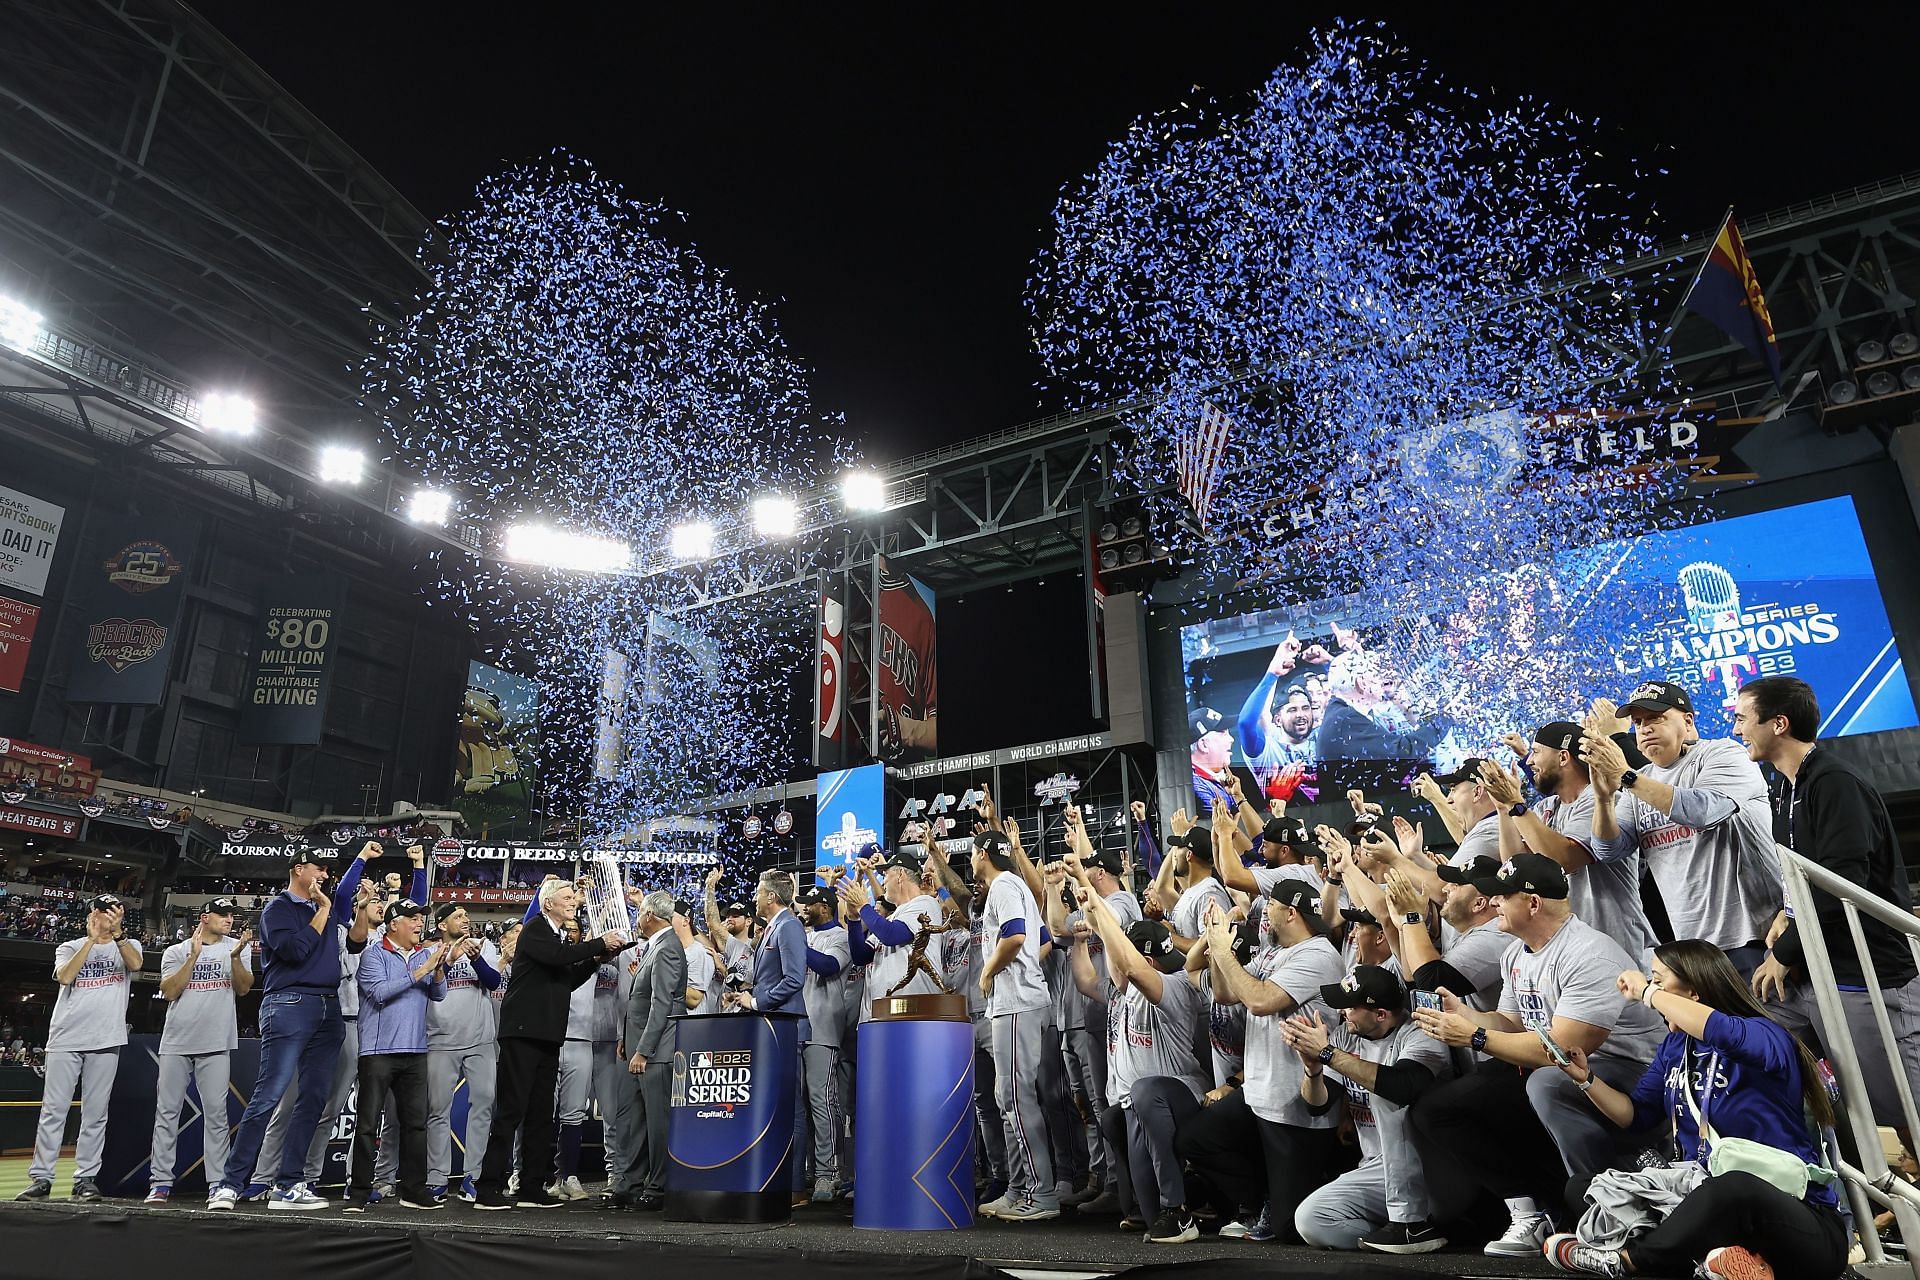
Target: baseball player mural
(905, 702)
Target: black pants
(1800, 1240)
(404, 1076)
(1256, 1161)
(1479, 1133)
(1113, 1128)
(524, 1086)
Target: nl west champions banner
(295, 641)
(129, 590)
(1784, 592)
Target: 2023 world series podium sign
(296, 642)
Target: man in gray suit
(659, 991)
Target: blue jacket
(295, 957)
(393, 1003)
(1750, 1076)
(780, 969)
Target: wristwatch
(1517, 809)
(1412, 917)
(1479, 1040)
(1326, 1056)
(1627, 780)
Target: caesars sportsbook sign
(129, 589)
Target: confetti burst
(1389, 286)
(571, 363)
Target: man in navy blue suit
(779, 986)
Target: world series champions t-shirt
(1273, 1070)
(202, 1020)
(91, 1011)
(1575, 975)
(1145, 1039)
(1020, 987)
(465, 1018)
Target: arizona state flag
(1727, 292)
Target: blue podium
(730, 1147)
(913, 1135)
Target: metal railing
(1871, 1186)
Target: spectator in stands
(1559, 993)
(1725, 1071)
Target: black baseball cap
(1151, 938)
(1469, 771)
(1298, 894)
(1369, 986)
(813, 894)
(737, 909)
(1198, 840)
(308, 855)
(1561, 735)
(1203, 721)
(105, 902)
(1108, 861)
(441, 912)
(1483, 867)
(220, 907)
(1526, 873)
(682, 907)
(1658, 696)
(1359, 915)
(907, 862)
(1288, 831)
(404, 907)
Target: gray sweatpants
(1588, 1143)
(1020, 1044)
(1801, 1015)
(591, 1073)
(446, 1068)
(211, 1073)
(822, 1065)
(1352, 1205)
(346, 1072)
(93, 1071)
(1087, 1072)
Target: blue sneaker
(382, 1192)
(468, 1191)
(255, 1192)
(1261, 1232)
(298, 1197)
(439, 1192)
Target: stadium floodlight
(19, 323)
(864, 491)
(559, 549)
(229, 414)
(342, 464)
(429, 506)
(692, 540)
(775, 516)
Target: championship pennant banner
(129, 595)
(29, 532)
(295, 644)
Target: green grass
(14, 1179)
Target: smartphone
(1554, 1051)
(1427, 1000)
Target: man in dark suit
(533, 1025)
(779, 986)
(659, 991)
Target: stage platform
(58, 1240)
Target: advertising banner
(17, 622)
(905, 690)
(129, 593)
(292, 659)
(29, 532)
(830, 682)
(45, 767)
(45, 824)
(850, 813)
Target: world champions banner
(129, 589)
(296, 641)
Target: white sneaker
(299, 1197)
(571, 1189)
(994, 1208)
(222, 1198)
(1026, 1209)
(1526, 1237)
(513, 1183)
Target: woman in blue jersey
(1726, 1070)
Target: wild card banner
(129, 590)
(296, 641)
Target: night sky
(889, 174)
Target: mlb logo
(699, 1060)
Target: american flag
(1201, 448)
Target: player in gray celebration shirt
(460, 1046)
(1559, 993)
(201, 979)
(1020, 1017)
(1700, 817)
(83, 1046)
(1383, 1065)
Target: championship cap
(1658, 696)
(221, 907)
(105, 902)
(1287, 831)
(1469, 771)
(1369, 986)
(1108, 861)
(1526, 873)
(1299, 895)
(1197, 840)
(813, 894)
(1483, 867)
(1151, 938)
(1561, 735)
(1359, 915)
(681, 907)
(444, 910)
(305, 854)
(404, 907)
(737, 909)
(907, 862)
(1203, 721)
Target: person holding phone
(1725, 1070)
(1383, 1065)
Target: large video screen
(1363, 700)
